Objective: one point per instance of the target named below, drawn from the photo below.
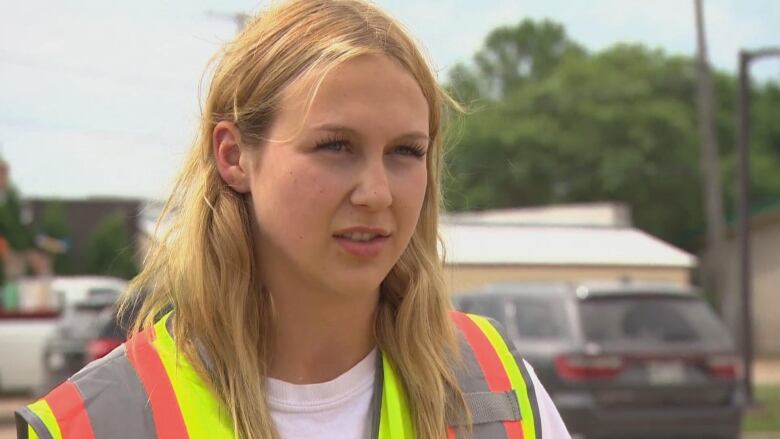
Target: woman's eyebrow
(338, 128)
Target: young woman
(298, 290)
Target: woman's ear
(227, 154)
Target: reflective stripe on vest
(150, 391)
(67, 405)
(501, 371)
(166, 411)
(111, 399)
(201, 415)
(395, 421)
(45, 420)
(59, 415)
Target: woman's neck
(320, 336)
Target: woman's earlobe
(227, 155)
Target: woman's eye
(410, 150)
(333, 145)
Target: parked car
(623, 360)
(88, 333)
(24, 333)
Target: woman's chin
(356, 287)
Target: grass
(766, 415)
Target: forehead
(374, 89)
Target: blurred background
(612, 151)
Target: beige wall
(471, 276)
(765, 260)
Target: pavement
(767, 370)
(7, 431)
(7, 406)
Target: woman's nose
(373, 188)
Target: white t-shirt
(339, 409)
(334, 409)
(551, 422)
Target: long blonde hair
(204, 265)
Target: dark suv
(623, 360)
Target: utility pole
(239, 18)
(743, 203)
(709, 164)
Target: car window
(537, 318)
(102, 293)
(488, 306)
(650, 319)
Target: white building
(571, 242)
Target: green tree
(614, 125)
(15, 232)
(55, 225)
(515, 55)
(109, 250)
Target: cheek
(412, 194)
(290, 201)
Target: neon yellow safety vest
(146, 389)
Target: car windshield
(103, 294)
(650, 319)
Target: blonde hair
(204, 265)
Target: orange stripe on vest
(68, 407)
(495, 374)
(166, 412)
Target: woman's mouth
(358, 236)
(362, 244)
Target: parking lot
(7, 406)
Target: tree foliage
(55, 224)
(109, 250)
(551, 123)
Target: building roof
(581, 214)
(513, 244)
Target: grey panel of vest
(116, 388)
(492, 406)
(376, 400)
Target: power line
(157, 83)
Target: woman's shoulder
(106, 389)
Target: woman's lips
(362, 249)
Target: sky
(102, 98)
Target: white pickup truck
(22, 335)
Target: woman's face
(337, 192)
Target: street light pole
(743, 205)
(239, 18)
(743, 221)
(709, 163)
